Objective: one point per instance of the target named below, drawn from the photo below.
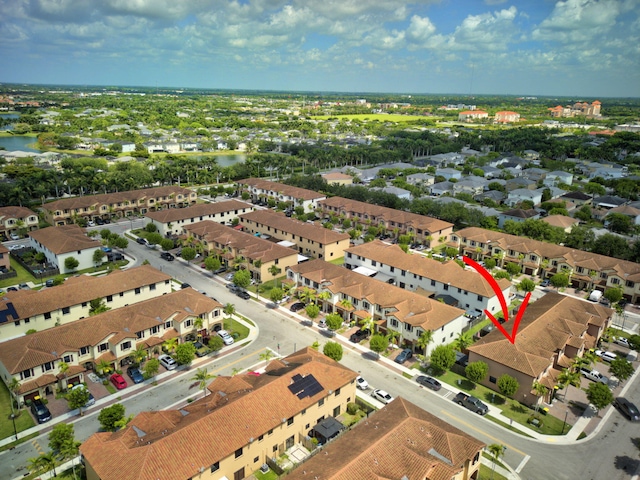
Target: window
(321, 402)
(66, 310)
(255, 459)
(17, 323)
(102, 347)
(47, 367)
(336, 411)
(433, 283)
(479, 298)
(152, 287)
(408, 327)
(260, 438)
(238, 453)
(26, 374)
(290, 421)
(84, 304)
(155, 329)
(188, 322)
(109, 298)
(140, 334)
(125, 345)
(215, 467)
(337, 392)
(394, 322)
(84, 350)
(275, 448)
(47, 316)
(303, 412)
(270, 432)
(137, 291)
(168, 324)
(446, 287)
(67, 358)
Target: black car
(49, 283)
(429, 382)
(141, 241)
(243, 295)
(185, 285)
(99, 221)
(296, 306)
(135, 374)
(358, 336)
(626, 408)
(114, 256)
(219, 271)
(405, 355)
(167, 256)
(40, 411)
(201, 349)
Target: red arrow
(503, 302)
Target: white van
(595, 296)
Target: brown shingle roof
(311, 231)
(241, 408)
(48, 345)
(117, 197)
(13, 211)
(64, 239)
(406, 306)
(287, 190)
(76, 290)
(561, 221)
(447, 273)
(546, 327)
(376, 212)
(399, 441)
(175, 214)
(250, 247)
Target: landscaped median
(513, 410)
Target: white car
(606, 356)
(382, 396)
(226, 338)
(14, 236)
(167, 362)
(622, 341)
(361, 383)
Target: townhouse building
(413, 271)
(170, 221)
(506, 116)
(117, 205)
(66, 241)
(39, 310)
(554, 331)
(308, 238)
(378, 448)
(337, 178)
(586, 271)
(243, 250)
(243, 422)
(471, 115)
(16, 220)
(111, 337)
(427, 230)
(261, 190)
(5, 259)
(357, 297)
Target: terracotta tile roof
(175, 214)
(577, 258)
(626, 210)
(13, 211)
(29, 303)
(446, 273)
(336, 176)
(3, 249)
(561, 221)
(64, 239)
(311, 231)
(33, 350)
(377, 213)
(250, 247)
(407, 307)
(546, 327)
(241, 408)
(399, 441)
(117, 197)
(287, 190)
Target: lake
(18, 142)
(228, 160)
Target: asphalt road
(610, 454)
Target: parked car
(296, 307)
(219, 271)
(626, 408)
(40, 411)
(135, 374)
(24, 286)
(404, 355)
(114, 257)
(243, 294)
(49, 283)
(91, 400)
(99, 221)
(606, 356)
(105, 249)
(167, 362)
(142, 241)
(361, 383)
(226, 338)
(233, 287)
(594, 375)
(118, 381)
(14, 236)
(358, 336)
(622, 341)
(429, 382)
(471, 403)
(201, 349)
(545, 283)
(185, 285)
(229, 276)
(382, 396)
(322, 323)
(167, 256)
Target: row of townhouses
(14, 219)
(261, 190)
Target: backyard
(23, 421)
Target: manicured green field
(379, 117)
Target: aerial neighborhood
(342, 299)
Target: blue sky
(577, 48)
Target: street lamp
(566, 412)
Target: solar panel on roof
(305, 386)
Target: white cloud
(420, 29)
(487, 31)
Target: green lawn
(23, 275)
(23, 422)
(380, 117)
(486, 473)
(510, 408)
(233, 326)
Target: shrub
(352, 408)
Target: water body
(228, 160)
(18, 142)
(8, 116)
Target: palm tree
(541, 391)
(202, 376)
(463, 341)
(368, 324)
(103, 366)
(64, 368)
(36, 465)
(139, 354)
(266, 355)
(496, 452)
(70, 450)
(392, 336)
(49, 462)
(229, 309)
(568, 377)
(170, 344)
(424, 340)
(275, 270)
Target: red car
(118, 381)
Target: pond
(18, 142)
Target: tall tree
(202, 376)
